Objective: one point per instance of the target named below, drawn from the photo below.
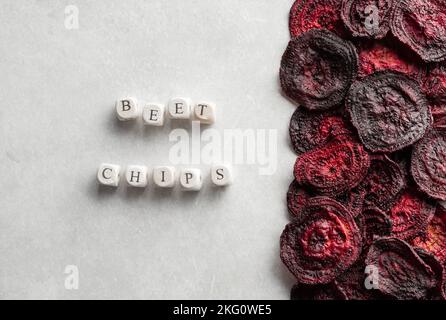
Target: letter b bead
(127, 109)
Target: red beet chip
(316, 14)
(383, 183)
(434, 240)
(321, 243)
(317, 69)
(428, 165)
(353, 200)
(437, 268)
(381, 55)
(316, 292)
(367, 18)
(311, 129)
(334, 168)
(434, 84)
(421, 25)
(411, 214)
(401, 272)
(389, 111)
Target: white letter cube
(205, 112)
(108, 174)
(136, 176)
(221, 175)
(127, 109)
(164, 176)
(153, 114)
(179, 108)
(191, 180)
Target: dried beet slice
(411, 214)
(434, 84)
(334, 168)
(316, 292)
(316, 14)
(352, 283)
(428, 164)
(434, 240)
(312, 129)
(421, 25)
(317, 69)
(376, 224)
(321, 243)
(437, 268)
(383, 183)
(367, 18)
(402, 273)
(389, 111)
(353, 200)
(377, 56)
(297, 199)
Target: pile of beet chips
(366, 206)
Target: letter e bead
(190, 179)
(221, 175)
(127, 109)
(153, 114)
(136, 176)
(108, 174)
(179, 108)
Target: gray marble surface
(57, 124)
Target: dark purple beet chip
(401, 272)
(367, 18)
(421, 25)
(383, 183)
(317, 69)
(428, 165)
(389, 111)
(436, 293)
(309, 130)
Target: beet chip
(434, 241)
(375, 224)
(334, 168)
(401, 272)
(367, 18)
(383, 183)
(296, 199)
(411, 214)
(321, 243)
(316, 292)
(383, 56)
(389, 111)
(312, 129)
(428, 165)
(437, 268)
(317, 69)
(421, 25)
(316, 14)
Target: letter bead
(136, 176)
(127, 109)
(221, 175)
(179, 108)
(108, 174)
(153, 114)
(164, 176)
(191, 180)
(205, 112)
